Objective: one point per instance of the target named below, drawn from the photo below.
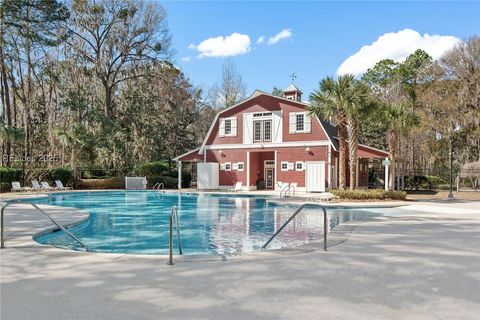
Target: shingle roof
(291, 88)
(331, 131)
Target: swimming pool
(137, 222)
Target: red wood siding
(264, 103)
(227, 178)
(299, 154)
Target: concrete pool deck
(417, 266)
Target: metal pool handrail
(293, 216)
(286, 188)
(159, 185)
(174, 214)
(2, 224)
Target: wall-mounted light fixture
(307, 149)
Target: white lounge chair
(237, 187)
(327, 196)
(36, 186)
(16, 187)
(60, 186)
(46, 186)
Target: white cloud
(284, 34)
(396, 46)
(186, 59)
(261, 39)
(227, 46)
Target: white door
(315, 176)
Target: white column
(248, 170)
(329, 155)
(179, 166)
(386, 176)
(275, 172)
(357, 171)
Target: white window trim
(281, 166)
(233, 127)
(228, 164)
(235, 166)
(291, 166)
(292, 122)
(222, 166)
(241, 164)
(301, 163)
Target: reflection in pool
(137, 222)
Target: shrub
(153, 169)
(169, 182)
(63, 174)
(114, 183)
(423, 182)
(375, 194)
(7, 175)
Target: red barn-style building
(265, 141)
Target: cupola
(292, 93)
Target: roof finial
(293, 76)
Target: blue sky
(318, 36)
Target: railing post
(2, 227)
(170, 241)
(325, 229)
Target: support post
(450, 194)
(248, 170)
(386, 176)
(179, 175)
(357, 171)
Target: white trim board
(268, 145)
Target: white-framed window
(299, 166)
(262, 130)
(222, 166)
(240, 166)
(269, 162)
(228, 127)
(228, 166)
(234, 166)
(299, 122)
(257, 131)
(284, 166)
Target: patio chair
(46, 186)
(35, 185)
(16, 187)
(237, 187)
(60, 186)
(327, 196)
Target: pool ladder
(300, 209)
(174, 215)
(159, 185)
(2, 224)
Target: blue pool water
(137, 222)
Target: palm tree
(399, 118)
(342, 101)
(358, 103)
(329, 102)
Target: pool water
(138, 222)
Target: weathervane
(293, 76)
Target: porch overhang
(190, 156)
(367, 152)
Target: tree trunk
(352, 128)
(342, 141)
(108, 102)
(6, 102)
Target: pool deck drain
(417, 266)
